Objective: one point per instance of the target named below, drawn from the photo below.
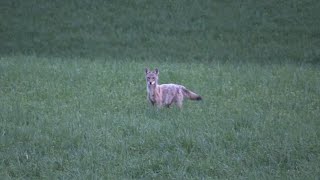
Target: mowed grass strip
(89, 118)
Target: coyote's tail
(191, 95)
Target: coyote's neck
(153, 92)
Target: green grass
(182, 30)
(90, 119)
(73, 97)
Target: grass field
(73, 96)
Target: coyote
(166, 94)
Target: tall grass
(90, 119)
(73, 97)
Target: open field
(73, 97)
(185, 30)
(90, 119)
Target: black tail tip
(199, 98)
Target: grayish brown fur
(166, 94)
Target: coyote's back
(166, 94)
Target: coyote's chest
(154, 95)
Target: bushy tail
(191, 95)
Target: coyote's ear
(156, 71)
(147, 70)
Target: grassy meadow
(73, 95)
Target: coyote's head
(152, 77)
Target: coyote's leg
(179, 104)
(159, 105)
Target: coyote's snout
(166, 94)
